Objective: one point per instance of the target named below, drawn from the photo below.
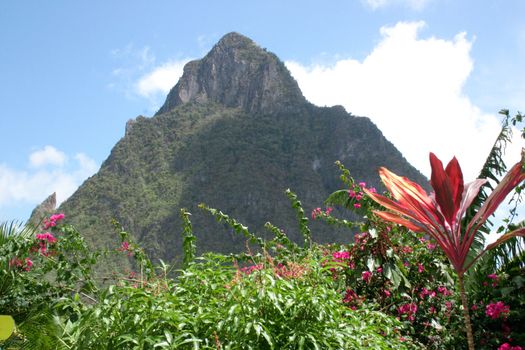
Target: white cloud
(413, 4)
(412, 88)
(161, 79)
(155, 85)
(49, 155)
(29, 187)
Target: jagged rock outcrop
(234, 133)
(46, 208)
(237, 73)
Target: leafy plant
(441, 216)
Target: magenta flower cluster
(52, 221)
(249, 269)
(23, 264)
(409, 310)
(495, 310)
(45, 240)
(319, 212)
(125, 247)
(357, 194)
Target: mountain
(234, 133)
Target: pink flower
(409, 310)
(350, 296)
(494, 279)
(47, 236)
(357, 205)
(29, 264)
(443, 290)
(57, 217)
(420, 268)
(407, 250)
(495, 310)
(359, 197)
(249, 269)
(362, 184)
(474, 307)
(52, 222)
(339, 256)
(124, 247)
(316, 212)
(507, 346)
(386, 292)
(328, 210)
(372, 189)
(351, 193)
(431, 246)
(379, 269)
(366, 275)
(24, 265)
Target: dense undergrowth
(390, 288)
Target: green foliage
(388, 289)
(237, 226)
(230, 159)
(212, 305)
(301, 218)
(188, 239)
(35, 273)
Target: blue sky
(432, 74)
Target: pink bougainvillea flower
(47, 236)
(507, 346)
(409, 310)
(495, 310)
(366, 275)
(57, 217)
(439, 215)
(251, 268)
(340, 256)
(52, 222)
(420, 268)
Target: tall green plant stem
(466, 315)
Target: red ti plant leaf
(439, 215)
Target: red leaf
(506, 237)
(513, 178)
(398, 220)
(442, 188)
(455, 176)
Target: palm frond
(492, 170)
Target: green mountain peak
(234, 133)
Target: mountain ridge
(234, 141)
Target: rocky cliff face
(46, 208)
(237, 73)
(234, 133)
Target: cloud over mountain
(412, 88)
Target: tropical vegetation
(417, 276)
